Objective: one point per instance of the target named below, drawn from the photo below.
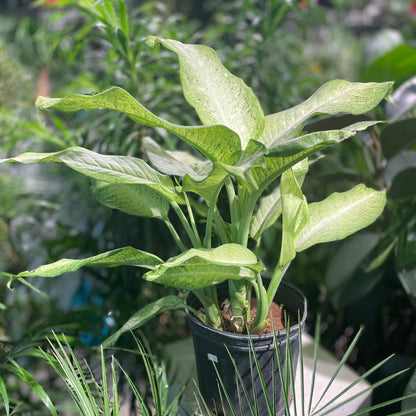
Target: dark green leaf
(404, 185)
(397, 65)
(345, 262)
(398, 136)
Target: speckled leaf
(270, 206)
(131, 198)
(340, 215)
(177, 162)
(214, 142)
(127, 256)
(337, 96)
(218, 96)
(295, 214)
(197, 268)
(109, 169)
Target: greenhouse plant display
(244, 173)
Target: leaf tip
(153, 41)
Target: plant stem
(192, 219)
(210, 305)
(212, 209)
(263, 306)
(175, 235)
(239, 304)
(277, 277)
(194, 239)
(221, 228)
(249, 202)
(234, 209)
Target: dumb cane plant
(255, 163)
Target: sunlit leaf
(109, 169)
(218, 96)
(198, 268)
(340, 215)
(295, 214)
(214, 142)
(127, 256)
(337, 96)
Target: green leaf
(146, 313)
(316, 140)
(207, 188)
(397, 65)
(408, 280)
(218, 96)
(127, 256)
(34, 385)
(340, 215)
(404, 185)
(295, 214)
(5, 396)
(270, 206)
(198, 268)
(214, 142)
(381, 257)
(398, 136)
(258, 172)
(399, 163)
(337, 96)
(177, 162)
(109, 169)
(131, 198)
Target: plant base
(214, 347)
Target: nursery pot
(213, 349)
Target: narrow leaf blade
(146, 313)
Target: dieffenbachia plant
(257, 162)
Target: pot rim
(293, 329)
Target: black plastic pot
(211, 347)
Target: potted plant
(244, 173)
